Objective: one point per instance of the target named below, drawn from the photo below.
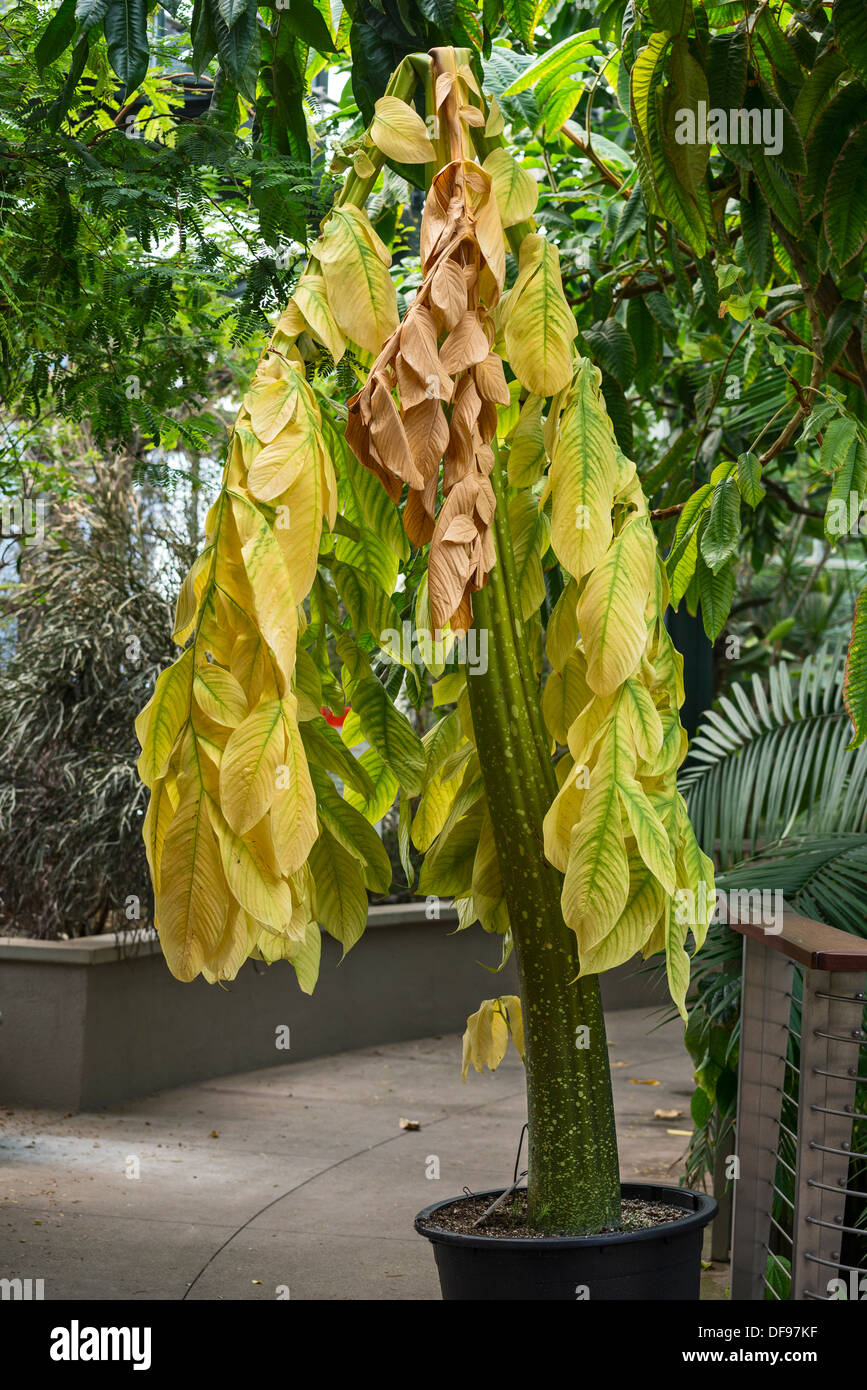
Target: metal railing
(800, 1195)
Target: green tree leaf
(721, 535)
(846, 198)
(855, 680)
(126, 37)
(850, 27)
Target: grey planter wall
(86, 1023)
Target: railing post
(819, 1142)
(765, 1007)
(830, 1037)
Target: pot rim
(704, 1209)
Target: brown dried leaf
(448, 572)
(489, 230)
(472, 115)
(417, 524)
(427, 433)
(358, 438)
(448, 292)
(461, 530)
(491, 380)
(388, 437)
(466, 345)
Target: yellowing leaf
(158, 817)
(248, 769)
(649, 832)
(298, 528)
(633, 928)
(269, 581)
(339, 897)
(487, 1033)
(220, 696)
(163, 717)
(275, 468)
(583, 476)
(400, 132)
(611, 608)
(564, 696)
(272, 397)
(515, 189)
(193, 903)
(293, 810)
(596, 885)
(311, 296)
(189, 599)
(355, 266)
(539, 326)
(561, 633)
(253, 883)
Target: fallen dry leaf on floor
(639, 1081)
(213, 1134)
(409, 1124)
(619, 1064)
(668, 1114)
(685, 1133)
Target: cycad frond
(822, 877)
(776, 765)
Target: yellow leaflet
(515, 189)
(539, 326)
(488, 895)
(565, 695)
(193, 903)
(161, 809)
(256, 887)
(163, 717)
(561, 633)
(400, 132)
(676, 959)
(298, 527)
(293, 810)
(611, 608)
(311, 297)
(190, 597)
(596, 884)
(276, 467)
(649, 831)
(635, 926)
(644, 721)
(339, 894)
(487, 1033)
(269, 581)
(694, 870)
(355, 267)
(219, 695)
(272, 397)
(583, 477)
(233, 948)
(248, 769)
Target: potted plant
(544, 798)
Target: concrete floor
(298, 1181)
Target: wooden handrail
(814, 944)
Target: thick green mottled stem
(574, 1179)
(402, 83)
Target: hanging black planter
(660, 1263)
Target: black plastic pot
(663, 1262)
